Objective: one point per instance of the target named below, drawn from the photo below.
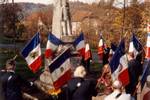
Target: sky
(85, 1)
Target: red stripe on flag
(82, 52)
(63, 79)
(87, 55)
(48, 53)
(100, 50)
(124, 77)
(147, 52)
(36, 64)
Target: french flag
(135, 46)
(60, 69)
(52, 45)
(88, 54)
(32, 53)
(101, 48)
(79, 44)
(119, 64)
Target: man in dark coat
(78, 88)
(2, 72)
(135, 69)
(12, 82)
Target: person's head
(80, 72)
(148, 81)
(117, 85)
(10, 64)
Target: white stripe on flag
(122, 66)
(148, 40)
(61, 70)
(131, 47)
(80, 45)
(51, 46)
(100, 43)
(124, 62)
(30, 59)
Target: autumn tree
(31, 23)
(11, 15)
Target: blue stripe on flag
(31, 45)
(59, 60)
(113, 46)
(116, 57)
(136, 43)
(146, 72)
(54, 39)
(78, 39)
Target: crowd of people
(80, 87)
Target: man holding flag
(88, 57)
(134, 65)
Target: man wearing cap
(146, 90)
(12, 82)
(117, 94)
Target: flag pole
(14, 58)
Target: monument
(61, 28)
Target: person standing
(12, 82)
(117, 94)
(135, 70)
(2, 72)
(79, 88)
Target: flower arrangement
(54, 93)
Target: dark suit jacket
(135, 69)
(12, 84)
(1, 81)
(84, 92)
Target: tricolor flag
(60, 69)
(88, 54)
(32, 53)
(101, 48)
(52, 45)
(79, 44)
(119, 64)
(135, 46)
